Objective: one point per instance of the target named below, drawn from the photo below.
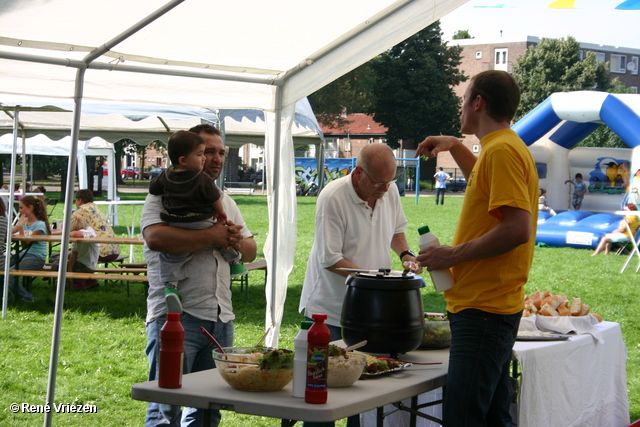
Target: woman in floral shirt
(95, 219)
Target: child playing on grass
(579, 190)
(542, 202)
(190, 200)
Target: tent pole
(275, 185)
(11, 196)
(62, 272)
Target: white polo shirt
(347, 228)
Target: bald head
(374, 172)
(376, 155)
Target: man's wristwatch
(409, 252)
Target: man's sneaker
(173, 300)
(237, 270)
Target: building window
(383, 140)
(331, 143)
(475, 148)
(635, 89)
(501, 59)
(600, 56)
(581, 54)
(633, 65)
(479, 55)
(618, 63)
(371, 141)
(347, 144)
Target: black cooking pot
(384, 308)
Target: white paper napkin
(567, 324)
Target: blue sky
(589, 21)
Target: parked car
(155, 172)
(457, 184)
(131, 172)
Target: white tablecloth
(574, 383)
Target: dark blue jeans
(440, 194)
(477, 392)
(198, 356)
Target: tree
(555, 66)
(414, 94)
(351, 92)
(462, 34)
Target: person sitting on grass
(83, 257)
(190, 199)
(620, 234)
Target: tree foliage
(555, 66)
(351, 92)
(462, 34)
(414, 94)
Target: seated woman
(33, 218)
(621, 234)
(94, 218)
(82, 256)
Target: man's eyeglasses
(378, 184)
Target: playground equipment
(552, 130)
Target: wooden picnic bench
(122, 274)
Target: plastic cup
(86, 234)
(28, 232)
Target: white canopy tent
(145, 123)
(234, 55)
(41, 145)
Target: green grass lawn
(103, 336)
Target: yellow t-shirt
(504, 175)
(634, 223)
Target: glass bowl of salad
(255, 368)
(437, 333)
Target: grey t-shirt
(201, 295)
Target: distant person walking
(441, 184)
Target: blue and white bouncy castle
(612, 175)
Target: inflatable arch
(553, 128)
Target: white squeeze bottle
(442, 279)
(301, 347)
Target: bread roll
(563, 310)
(584, 310)
(547, 310)
(576, 305)
(597, 316)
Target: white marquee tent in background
(199, 53)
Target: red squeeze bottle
(171, 352)
(317, 360)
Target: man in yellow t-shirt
(491, 254)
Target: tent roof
(143, 122)
(240, 50)
(41, 145)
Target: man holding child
(206, 292)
